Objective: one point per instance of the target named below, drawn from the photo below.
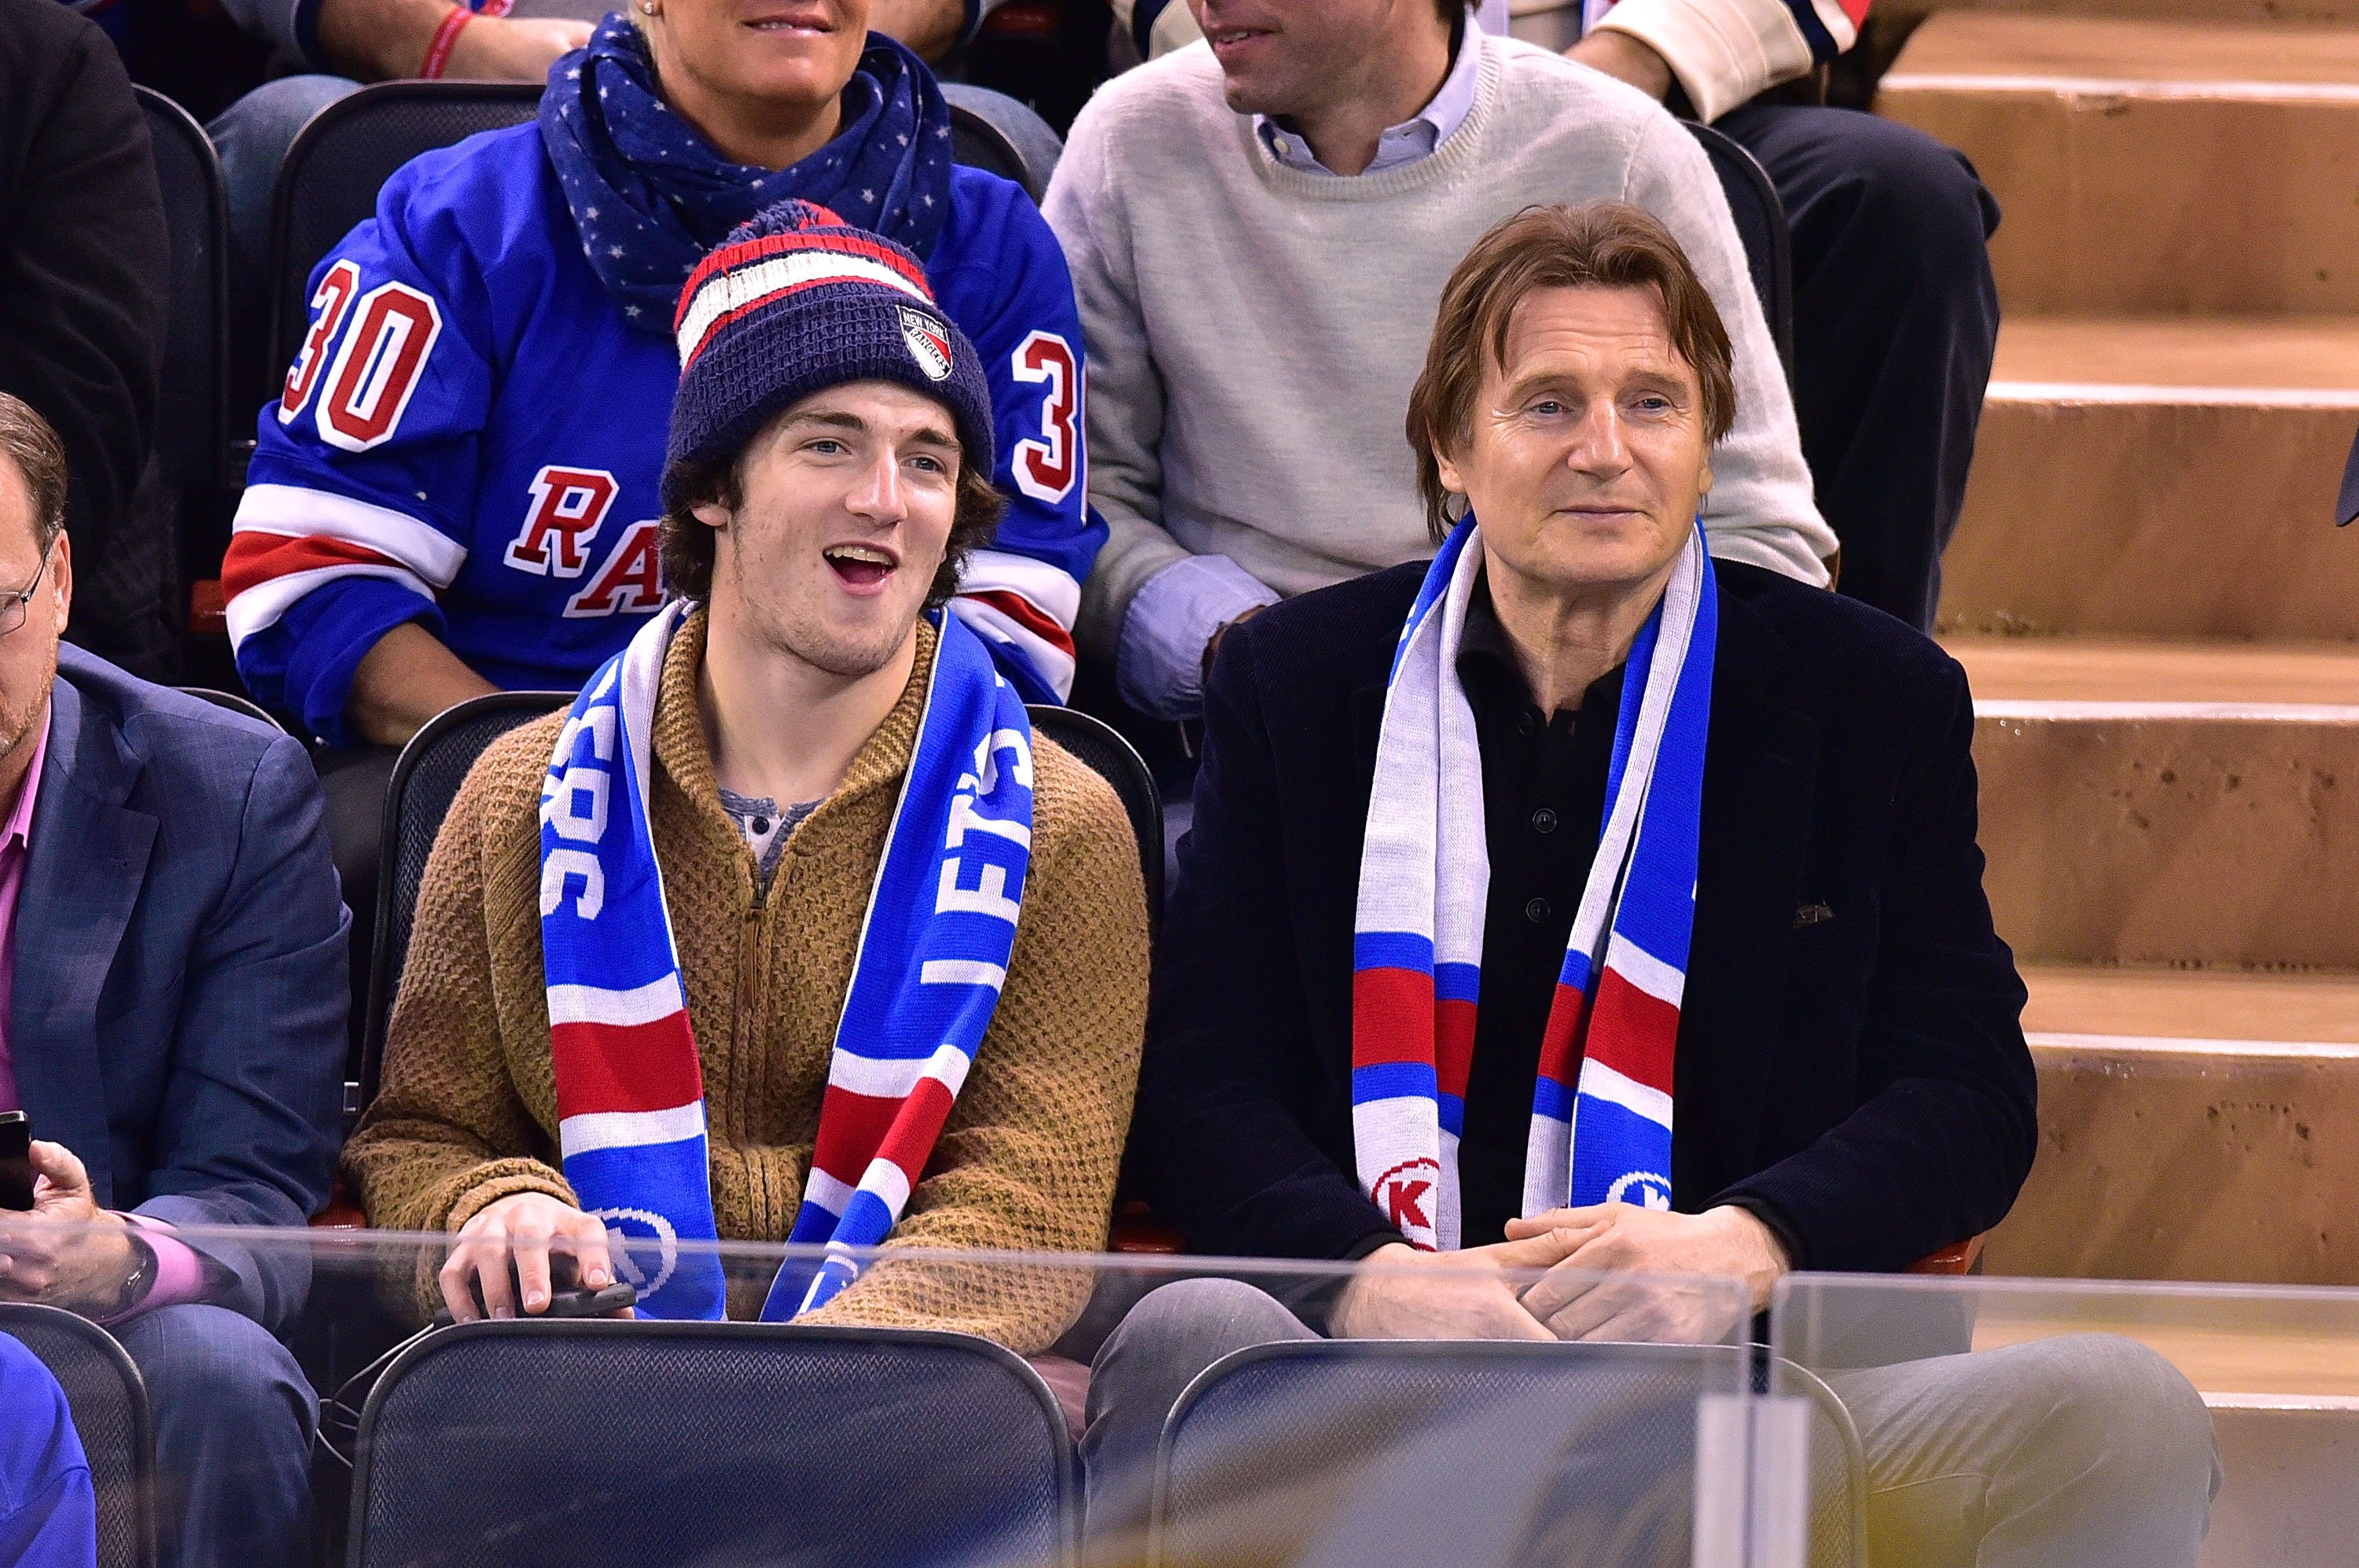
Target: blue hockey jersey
(472, 437)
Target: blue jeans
(233, 1424)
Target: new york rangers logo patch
(929, 344)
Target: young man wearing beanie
(790, 930)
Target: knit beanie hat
(797, 300)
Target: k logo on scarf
(650, 196)
(1425, 876)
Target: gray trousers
(2086, 1451)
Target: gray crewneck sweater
(1254, 330)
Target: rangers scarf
(1417, 943)
(933, 954)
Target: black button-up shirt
(1543, 808)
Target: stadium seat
(992, 132)
(1096, 744)
(426, 779)
(191, 430)
(109, 1400)
(235, 702)
(1589, 1448)
(1761, 225)
(498, 1444)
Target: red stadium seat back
(1960, 1257)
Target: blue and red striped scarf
(933, 956)
(1425, 876)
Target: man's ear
(62, 577)
(711, 514)
(1703, 476)
(1451, 480)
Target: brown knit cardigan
(468, 1110)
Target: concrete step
(2193, 1125)
(2286, 1497)
(2150, 803)
(2151, 166)
(2174, 477)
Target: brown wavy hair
(1603, 245)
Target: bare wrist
(1626, 56)
(1765, 1259)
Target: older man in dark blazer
(1420, 899)
(172, 1005)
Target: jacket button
(1544, 820)
(1536, 911)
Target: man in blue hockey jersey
(457, 488)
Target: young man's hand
(520, 1231)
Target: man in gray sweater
(1259, 228)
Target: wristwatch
(142, 1277)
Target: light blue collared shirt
(1403, 144)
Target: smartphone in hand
(15, 1160)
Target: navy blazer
(178, 1017)
(1850, 1058)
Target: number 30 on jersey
(368, 387)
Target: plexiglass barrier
(285, 1398)
(2089, 1422)
(943, 1407)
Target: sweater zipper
(749, 981)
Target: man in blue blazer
(172, 1017)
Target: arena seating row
(336, 166)
(906, 1446)
(2166, 848)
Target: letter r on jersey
(568, 504)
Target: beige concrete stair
(2165, 477)
(2152, 167)
(2156, 802)
(2192, 1126)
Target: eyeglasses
(13, 606)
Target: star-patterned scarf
(650, 196)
